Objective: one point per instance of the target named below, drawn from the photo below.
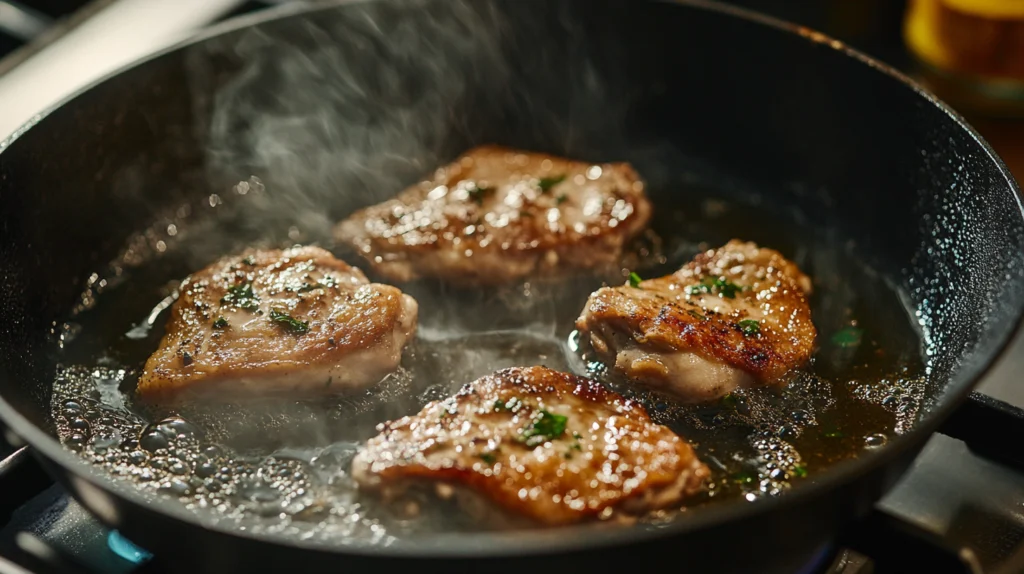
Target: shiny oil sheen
(282, 467)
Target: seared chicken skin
(542, 444)
(733, 317)
(292, 322)
(496, 215)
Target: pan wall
(340, 108)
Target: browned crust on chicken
(496, 215)
(292, 322)
(605, 458)
(741, 305)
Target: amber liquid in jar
(971, 51)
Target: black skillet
(807, 122)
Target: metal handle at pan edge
(895, 545)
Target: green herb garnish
(477, 193)
(306, 288)
(546, 426)
(750, 327)
(512, 404)
(697, 315)
(834, 434)
(293, 324)
(249, 261)
(487, 457)
(634, 280)
(561, 199)
(241, 296)
(716, 286)
(848, 337)
(744, 477)
(800, 471)
(220, 323)
(729, 401)
(546, 183)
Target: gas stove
(954, 511)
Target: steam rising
(345, 108)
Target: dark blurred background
(873, 26)
(876, 28)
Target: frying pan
(743, 101)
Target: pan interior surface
(278, 466)
(910, 229)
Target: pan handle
(20, 479)
(985, 425)
(896, 546)
(990, 428)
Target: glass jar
(971, 51)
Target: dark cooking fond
(742, 316)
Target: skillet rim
(537, 542)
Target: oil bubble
(154, 441)
(876, 440)
(79, 424)
(175, 487)
(106, 438)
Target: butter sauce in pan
(284, 464)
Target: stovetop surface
(969, 501)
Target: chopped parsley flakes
(744, 477)
(291, 323)
(634, 280)
(715, 286)
(546, 426)
(220, 323)
(241, 296)
(324, 283)
(729, 401)
(478, 192)
(848, 337)
(750, 327)
(547, 183)
(512, 404)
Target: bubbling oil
(282, 467)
